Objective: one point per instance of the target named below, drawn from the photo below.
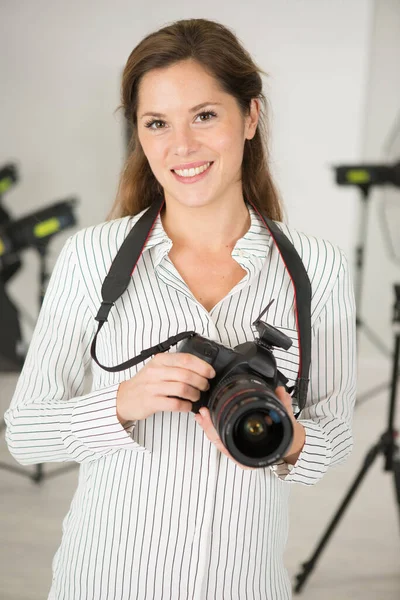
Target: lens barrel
(251, 421)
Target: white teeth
(193, 172)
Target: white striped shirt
(159, 513)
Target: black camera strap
(302, 294)
(125, 261)
(117, 281)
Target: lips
(193, 179)
(193, 165)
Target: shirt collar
(256, 241)
(250, 251)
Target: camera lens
(251, 421)
(258, 433)
(253, 427)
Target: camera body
(251, 421)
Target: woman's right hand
(168, 382)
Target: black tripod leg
(38, 476)
(396, 474)
(310, 564)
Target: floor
(360, 561)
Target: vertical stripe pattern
(158, 512)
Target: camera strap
(302, 297)
(125, 261)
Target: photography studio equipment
(11, 350)
(368, 174)
(390, 199)
(365, 177)
(390, 222)
(387, 446)
(251, 365)
(8, 177)
(34, 230)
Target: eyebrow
(191, 110)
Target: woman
(162, 510)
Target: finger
(280, 391)
(285, 398)
(210, 431)
(184, 376)
(205, 422)
(184, 360)
(177, 389)
(208, 426)
(165, 403)
(282, 394)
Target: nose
(184, 141)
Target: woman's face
(180, 135)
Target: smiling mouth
(188, 173)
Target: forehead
(177, 85)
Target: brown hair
(220, 53)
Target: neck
(208, 228)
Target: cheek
(154, 151)
(227, 139)
(230, 144)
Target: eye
(208, 112)
(149, 124)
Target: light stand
(34, 230)
(38, 474)
(386, 445)
(364, 177)
(361, 325)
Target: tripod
(38, 474)
(386, 446)
(358, 279)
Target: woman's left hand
(203, 418)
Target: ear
(252, 119)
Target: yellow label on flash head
(358, 176)
(46, 228)
(2, 247)
(5, 184)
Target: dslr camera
(251, 421)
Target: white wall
(60, 70)
(382, 116)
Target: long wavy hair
(221, 54)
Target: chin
(189, 202)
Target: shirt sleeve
(49, 419)
(327, 415)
